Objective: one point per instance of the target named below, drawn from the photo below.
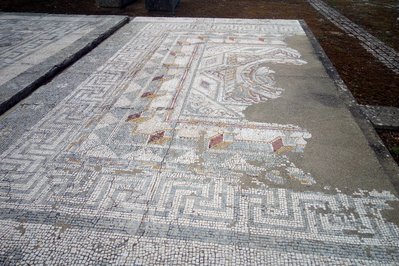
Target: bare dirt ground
(368, 79)
(391, 140)
(366, 12)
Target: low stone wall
(114, 3)
(164, 5)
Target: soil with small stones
(366, 12)
(369, 80)
(391, 140)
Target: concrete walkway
(35, 47)
(195, 141)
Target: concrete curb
(384, 157)
(21, 86)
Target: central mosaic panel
(184, 110)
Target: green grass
(395, 150)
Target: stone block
(114, 3)
(161, 5)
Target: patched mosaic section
(149, 159)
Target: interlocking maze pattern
(150, 153)
(28, 40)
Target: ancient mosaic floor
(200, 141)
(33, 44)
(26, 41)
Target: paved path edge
(26, 82)
(384, 157)
(382, 117)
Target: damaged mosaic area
(145, 163)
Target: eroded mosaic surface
(151, 160)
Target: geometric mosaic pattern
(151, 161)
(28, 40)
